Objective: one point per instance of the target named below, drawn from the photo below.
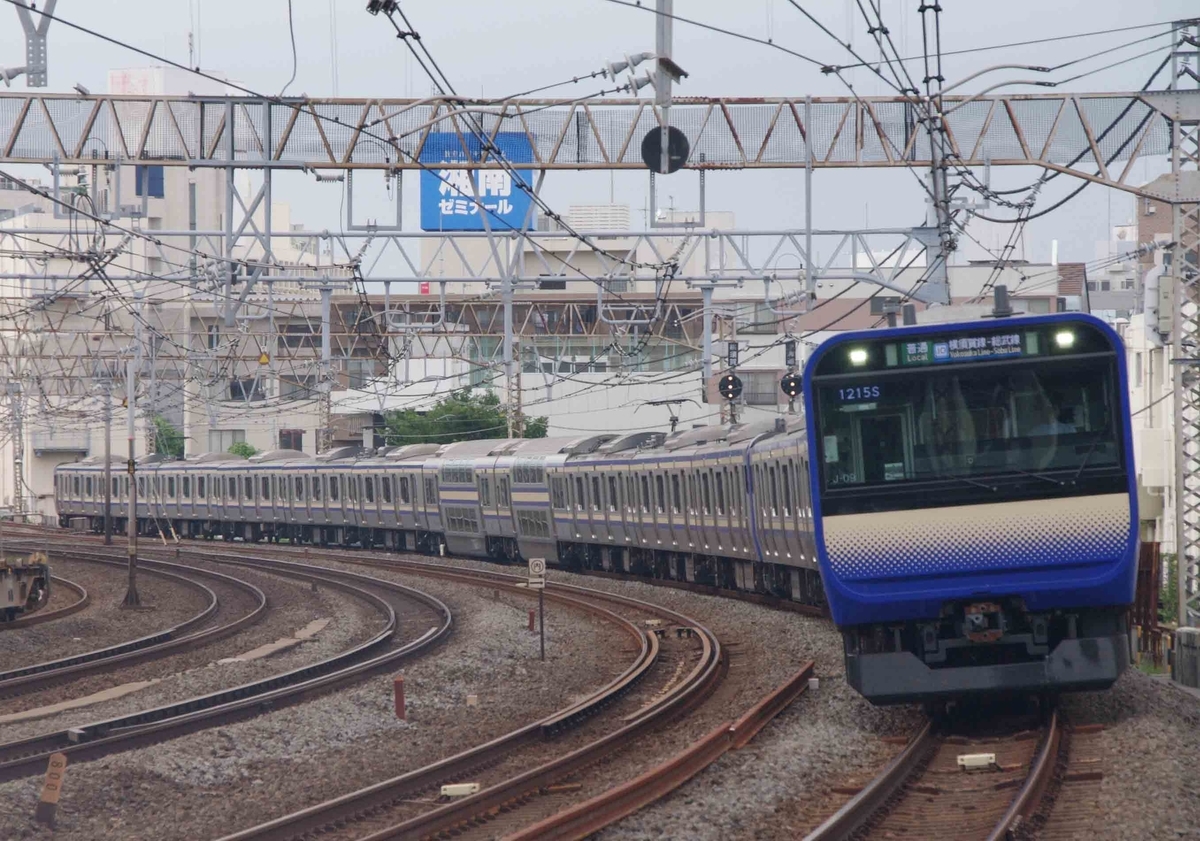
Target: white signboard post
(537, 581)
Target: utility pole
(939, 190)
(132, 600)
(1185, 326)
(325, 387)
(108, 462)
(13, 390)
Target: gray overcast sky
(495, 49)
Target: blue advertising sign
(447, 200)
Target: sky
(495, 49)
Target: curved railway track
(531, 787)
(924, 793)
(181, 637)
(41, 616)
(29, 756)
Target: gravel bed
(1151, 743)
(292, 605)
(102, 622)
(211, 783)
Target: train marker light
(1064, 338)
(858, 356)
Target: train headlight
(1064, 338)
(858, 356)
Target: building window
(246, 389)
(220, 440)
(291, 439)
(297, 387)
(148, 181)
(760, 388)
(359, 372)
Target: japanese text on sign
(451, 198)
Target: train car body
(975, 505)
(960, 497)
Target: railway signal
(790, 385)
(730, 386)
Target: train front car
(975, 505)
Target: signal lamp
(730, 386)
(791, 385)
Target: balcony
(65, 443)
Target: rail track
(925, 793)
(82, 601)
(29, 756)
(181, 637)
(532, 779)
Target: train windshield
(965, 434)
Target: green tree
(461, 416)
(167, 439)
(241, 448)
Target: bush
(241, 448)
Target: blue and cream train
(959, 496)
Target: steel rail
(50, 615)
(41, 675)
(1041, 773)
(29, 756)
(373, 798)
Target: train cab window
(661, 496)
(645, 495)
(704, 489)
(316, 488)
(597, 495)
(335, 483)
(613, 500)
(403, 489)
(505, 496)
(369, 488)
(385, 488)
(485, 491)
(676, 503)
(299, 488)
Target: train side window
(774, 492)
(316, 487)
(142, 486)
(720, 493)
(335, 488)
(505, 496)
(200, 488)
(597, 495)
(403, 489)
(485, 491)
(385, 488)
(115, 491)
(787, 490)
(76, 484)
(264, 489)
(431, 491)
(676, 502)
(186, 481)
(707, 493)
(299, 483)
(89, 486)
(352, 488)
(613, 499)
(558, 493)
(171, 487)
(661, 495)
(645, 494)
(369, 488)
(580, 498)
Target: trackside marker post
(51, 789)
(398, 686)
(537, 581)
